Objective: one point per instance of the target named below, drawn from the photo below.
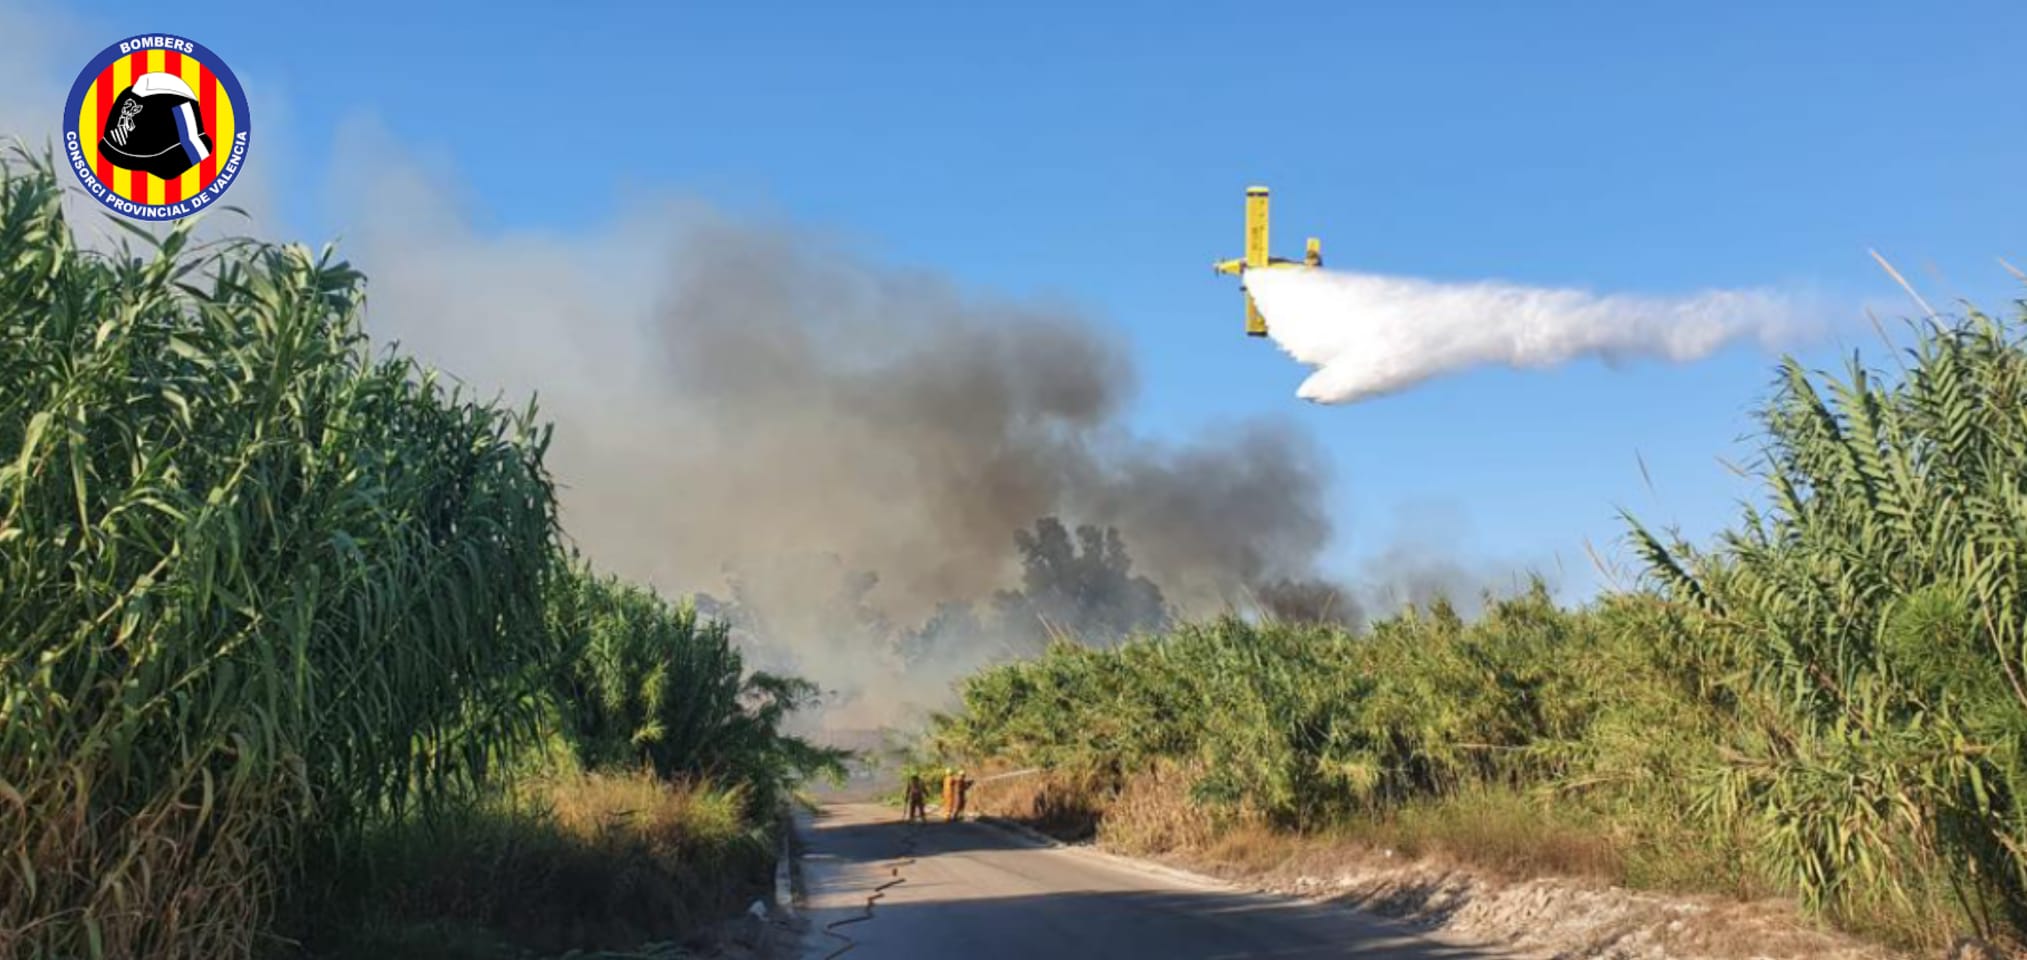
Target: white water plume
(1370, 334)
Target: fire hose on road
(907, 858)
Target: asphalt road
(971, 891)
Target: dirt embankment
(1563, 917)
(1568, 916)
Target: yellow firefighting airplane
(1256, 257)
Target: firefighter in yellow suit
(955, 788)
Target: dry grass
(1494, 832)
(669, 820)
(1063, 805)
(1499, 832)
(590, 861)
(1149, 813)
(172, 880)
(1154, 813)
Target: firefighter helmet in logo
(156, 127)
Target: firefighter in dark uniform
(918, 798)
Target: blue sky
(1095, 154)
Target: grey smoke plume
(844, 450)
(1369, 334)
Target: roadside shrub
(1831, 700)
(256, 585)
(568, 861)
(267, 594)
(1874, 615)
(650, 683)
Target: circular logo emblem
(156, 127)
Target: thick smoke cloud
(843, 451)
(1370, 334)
(840, 453)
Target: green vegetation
(1830, 702)
(656, 686)
(268, 599)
